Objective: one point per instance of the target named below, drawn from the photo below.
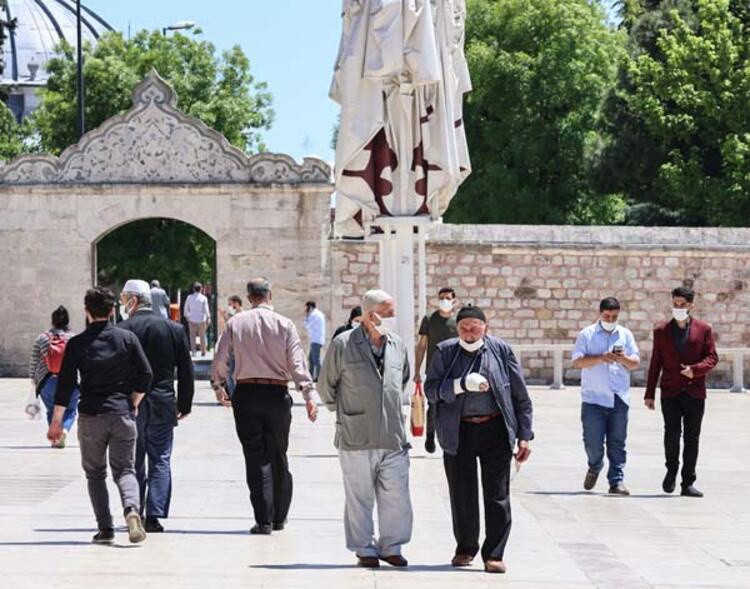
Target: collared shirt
(315, 324)
(196, 308)
(112, 366)
(264, 344)
(600, 383)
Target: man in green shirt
(435, 328)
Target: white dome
(40, 26)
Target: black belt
(479, 419)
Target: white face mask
(124, 311)
(680, 314)
(608, 326)
(445, 305)
(471, 347)
(387, 325)
(356, 323)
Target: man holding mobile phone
(606, 354)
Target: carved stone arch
(156, 143)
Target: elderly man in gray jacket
(362, 379)
(483, 408)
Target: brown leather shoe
(590, 481)
(368, 562)
(494, 566)
(461, 560)
(395, 560)
(619, 489)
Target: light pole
(79, 72)
(178, 26)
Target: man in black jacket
(114, 377)
(166, 348)
(483, 408)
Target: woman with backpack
(44, 368)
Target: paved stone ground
(562, 536)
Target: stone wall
(48, 236)
(543, 284)
(268, 214)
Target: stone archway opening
(174, 252)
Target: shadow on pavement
(66, 543)
(186, 532)
(325, 566)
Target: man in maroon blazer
(684, 353)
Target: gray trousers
(382, 477)
(117, 433)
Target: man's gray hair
(259, 288)
(374, 298)
(144, 300)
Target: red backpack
(53, 357)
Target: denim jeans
(610, 425)
(153, 454)
(314, 360)
(48, 398)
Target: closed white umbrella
(401, 150)
(400, 78)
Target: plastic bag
(417, 411)
(33, 405)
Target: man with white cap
(166, 347)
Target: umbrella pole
(396, 265)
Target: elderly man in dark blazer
(684, 353)
(483, 408)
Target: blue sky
(291, 44)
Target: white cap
(137, 287)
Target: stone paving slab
(562, 536)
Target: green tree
(218, 90)
(11, 136)
(175, 253)
(540, 70)
(679, 118)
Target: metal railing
(558, 352)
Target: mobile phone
(618, 349)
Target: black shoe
(429, 444)
(690, 491)
(152, 525)
(261, 529)
(668, 484)
(105, 536)
(590, 481)
(278, 526)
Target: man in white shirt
(315, 324)
(199, 317)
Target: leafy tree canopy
(218, 90)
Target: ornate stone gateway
(267, 213)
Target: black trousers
(487, 442)
(430, 421)
(677, 411)
(262, 417)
